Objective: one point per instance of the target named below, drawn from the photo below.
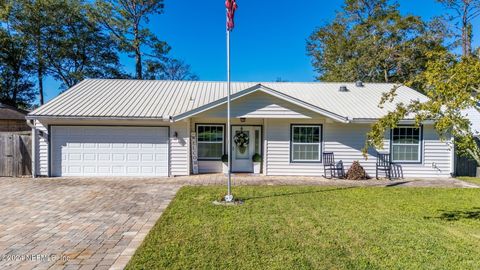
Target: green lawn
(474, 180)
(317, 228)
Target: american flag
(231, 6)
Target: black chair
(329, 164)
(384, 164)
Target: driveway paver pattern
(76, 223)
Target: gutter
(373, 120)
(38, 117)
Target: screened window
(210, 141)
(306, 143)
(406, 144)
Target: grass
(283, 227)
(474, 180)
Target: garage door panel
(109, 151)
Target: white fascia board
(401, 122)
(40, 117)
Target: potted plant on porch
(225, 163)
(257, 163)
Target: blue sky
(268, 41)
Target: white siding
(436, 157)
(278, 146)
(41, 149)
(205, 166)
(474, 116)
(260, 105)
(346, 141)
(180, 149)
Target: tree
(464, 11)
(80, 49)
(452, 85)
(125, 20)
(169, 69)
(32, 20)
(16, 87)
(370, 40)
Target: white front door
(246, 141)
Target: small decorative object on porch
(356, 172)
(241, 140)
(225, 164)
(193, 139)
(257, 161)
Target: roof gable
(259, 104)
(256, 109)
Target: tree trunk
(138, 54)
(40, 70)
(40, 83)
(138, 63)
(466, 34)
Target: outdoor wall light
(175, 135)
(242, 119)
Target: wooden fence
(15, 154)
(465, 166)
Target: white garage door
(109, 151)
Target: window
(306, 143)
(257, 141)
(406, 144)
(210, 141)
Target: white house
(474, 116)
(172, 128)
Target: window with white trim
(210, 141)
(406, 144)
(306, 143)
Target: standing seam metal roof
(163, 99)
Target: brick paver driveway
(77, 223)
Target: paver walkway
(248, 179)
(75, 224)
(86, 223)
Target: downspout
(31, 123)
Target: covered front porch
(289, 138)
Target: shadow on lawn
(397, 183)
(455, 215)
(295, 193)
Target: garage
(109, 151)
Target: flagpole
(229, 197)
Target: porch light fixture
(242, 119)
(175, 135)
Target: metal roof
(147, 99)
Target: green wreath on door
(241, 140)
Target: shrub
(356, 172)
(225, 158)
(256, 158)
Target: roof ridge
(248, 82)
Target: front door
(246, 141)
